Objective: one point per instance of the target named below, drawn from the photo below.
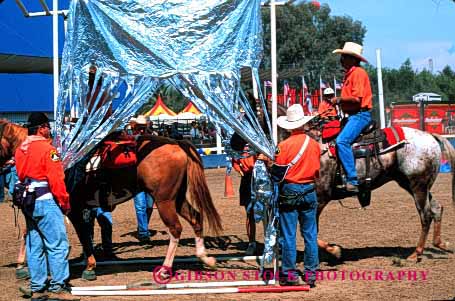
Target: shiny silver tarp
(132, 46)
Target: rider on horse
(356, 101)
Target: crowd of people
(197, 132)
(296, 166)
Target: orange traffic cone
(228, 190)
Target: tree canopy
(306, 37)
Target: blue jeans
(355, 125)
(104, 219)
(11, 179)
(143, 203)
(47, 242)
(305, 214)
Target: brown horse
(414, 166)
(171, 171)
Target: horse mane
(13, 133)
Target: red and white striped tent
(160, 108)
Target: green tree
(306, 37)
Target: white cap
(328, 91)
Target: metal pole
(219, 148)
(55, 53)
(274, 71)
(422, 114)
(255, 86)
(380, 89)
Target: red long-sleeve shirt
(37, 159)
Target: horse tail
(198, 189)
(450, 151)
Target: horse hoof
(397, 262)
(89, 275)
(209, 261)
(414, 257)
(335, 251)
(444, 246)
(22, 273)
(163, 274)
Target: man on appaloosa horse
(408, 156)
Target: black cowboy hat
(36, 119)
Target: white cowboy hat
(141, 120)
(353, 49)
(295, 118)
(328, 91)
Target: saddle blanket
(393, 136)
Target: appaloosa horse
(171, 171)
(414, 166)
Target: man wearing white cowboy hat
(298, 201)
(356, 100)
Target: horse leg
(333, 250)
(169, 217)
(436, 211)
(80, 220)
(423, 207)
(194, 218)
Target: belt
(40, 192)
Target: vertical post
(255, 86)
(219, 149)
(274, 71)
(55, 53)
(380, 89)
(422, 114)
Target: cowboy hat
(141, 120)
(353, 49)
(328, 91)
(295, 118)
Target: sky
(414, 29)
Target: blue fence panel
(214, 161)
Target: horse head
(11, 136)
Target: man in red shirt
(326, 108)
(244, 166)
(39, 167)
(356, 101)
(297, 200)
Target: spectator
(194, 132)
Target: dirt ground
(375, 243)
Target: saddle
(371, 143)
(114, 152)
(108, 169)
